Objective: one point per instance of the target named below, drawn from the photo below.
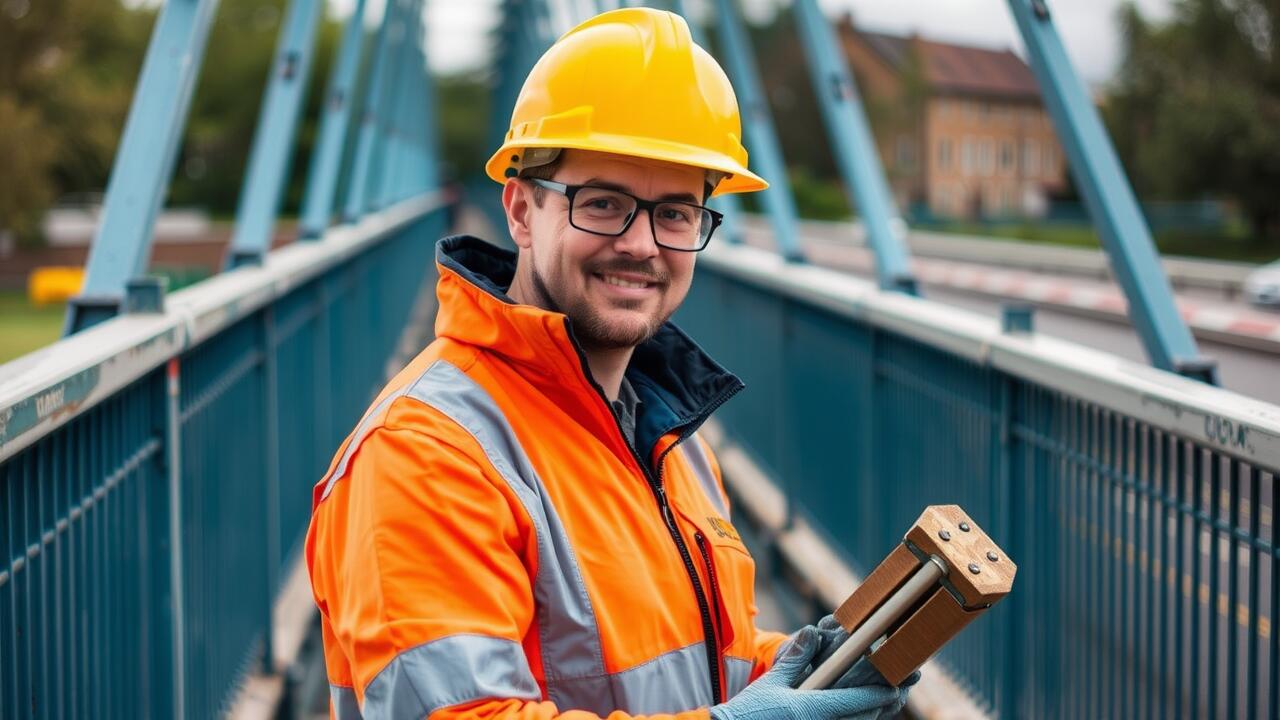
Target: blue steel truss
(144, 161)
(272, 151)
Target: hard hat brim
(738, 179)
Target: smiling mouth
(616, 281)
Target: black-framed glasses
(601, 211)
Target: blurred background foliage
(1194, 110)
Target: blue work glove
(863, 673)
(773, 696)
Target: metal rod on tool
(848, 653)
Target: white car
(1262, 286)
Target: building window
(905, 153)
(944, 154)
(1006, 155)
(1050, 161)
(987, 156)
(1030, 158)
(969, 157)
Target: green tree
(1195, 108)
(67, 69)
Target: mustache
(634, 267)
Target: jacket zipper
(713, 590)
(664, 509)
(704, 607)
(660, 494)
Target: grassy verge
(24, 327)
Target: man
(525, 523)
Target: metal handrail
(45, 390)
(1232, 423)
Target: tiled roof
(960, 69)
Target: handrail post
(374, 92)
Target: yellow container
(54, 284)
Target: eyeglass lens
(677, 225)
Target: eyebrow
(669, 197)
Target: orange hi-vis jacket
(488, 544)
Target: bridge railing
(1138, 504)
(155, 470)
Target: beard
(591, 329)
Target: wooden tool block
(922, 635)
(978, 574)
(888, 576)
(946, 531)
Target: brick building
(960, 129)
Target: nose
(638, 241)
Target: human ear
(516, 201)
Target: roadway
(1247, 365)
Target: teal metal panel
(1146, 569)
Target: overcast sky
(459, 29)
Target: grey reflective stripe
(700, 464)
(672, 682)
(567, 627)
(366, 424)
(343, 701)
(449, 671)
(737, 673)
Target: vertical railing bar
(1215, 566)
(1232, 689)
(1255, 567)
(1155, 567)
(1197, 550)
(1182, 577)
(1095, 580)
(173, 446)
(271, 456)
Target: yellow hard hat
(630, 82)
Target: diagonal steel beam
(855, 150)
(144, 161)
(765, 149)
(326, 158)
(727, 205)
(375, 92)
(272, 151)
(1110, 199)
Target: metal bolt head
(964, 527)
(944, 535)
(973, 568)
(991, 555)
